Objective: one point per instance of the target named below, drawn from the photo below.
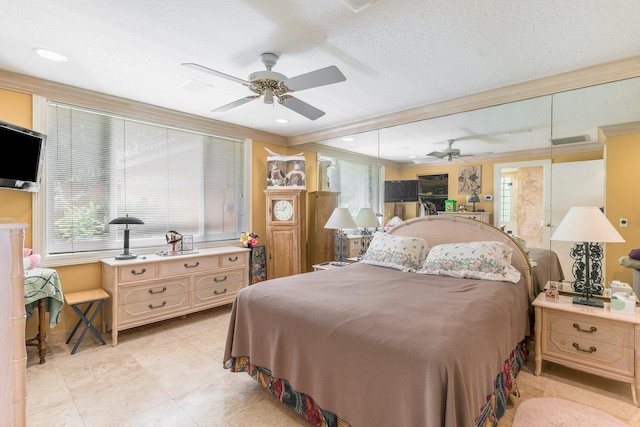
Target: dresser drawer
(589, 327)
(233, 260)
(137, 272)
(570, 347)
(134, 293)
(152, 308)
(188, 265)
(214, 286)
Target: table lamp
(473, 199)
(126, 220)
(366, 219)
(341, 220)
(586, 224)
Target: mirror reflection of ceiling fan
(271, 84)
(449, 153)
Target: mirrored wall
(537, 157)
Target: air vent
(570, 140)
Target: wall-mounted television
(23, 157)
(401, 191)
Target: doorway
(522, 200)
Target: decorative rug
(554, 412)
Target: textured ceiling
(395, 55)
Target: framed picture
(469, 179)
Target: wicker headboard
(439, 229)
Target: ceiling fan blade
(235, 104)
(215, 73)
(301, 107)
(321, 77)
(439, 154)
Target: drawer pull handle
(220, 293)
(191, 266)
(151, 291)
(135, 273)
(218, 279)
(151, 306)
(356, 242)
(590, 350)
(590, 331)
(233, 259)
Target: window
(357, 181)
(101, 166)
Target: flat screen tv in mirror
(401, 191)
(23, 156)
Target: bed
(545, 267)
(368, 345)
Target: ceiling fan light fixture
(268, 96)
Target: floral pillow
(475, 260)
(399, 252)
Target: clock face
(283, 210)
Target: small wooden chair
(90, 297)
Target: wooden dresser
(154, 287)
(480, 216)
(322, 241)
(590, 339)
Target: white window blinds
(101, 166)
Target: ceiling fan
(449, 153)
(272, 84)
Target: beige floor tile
(111, 405)
(167, 414)
(63, 414)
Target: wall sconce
(588, 225)
(366, 219)
(341, 220)
(126, 220)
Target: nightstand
(590, 339)
(327, 266)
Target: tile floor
(170, 374)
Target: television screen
(23, 159)
(401, 191)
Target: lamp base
(340, 263)
(126, 256)
(588, 301)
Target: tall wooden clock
(286, 232)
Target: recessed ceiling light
(412, 157)
(347, 139)
(282, 121)
(50, 54)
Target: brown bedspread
(547, 267)
(379, 347)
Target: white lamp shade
(341, 219)
(586, 224)
(367, 218)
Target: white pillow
(484, 260)
(399, 252)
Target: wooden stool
(89, 297)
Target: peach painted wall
(622, 159)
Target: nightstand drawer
(570, 347)
(591, 328)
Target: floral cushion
(399, 252)
(475, 260)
